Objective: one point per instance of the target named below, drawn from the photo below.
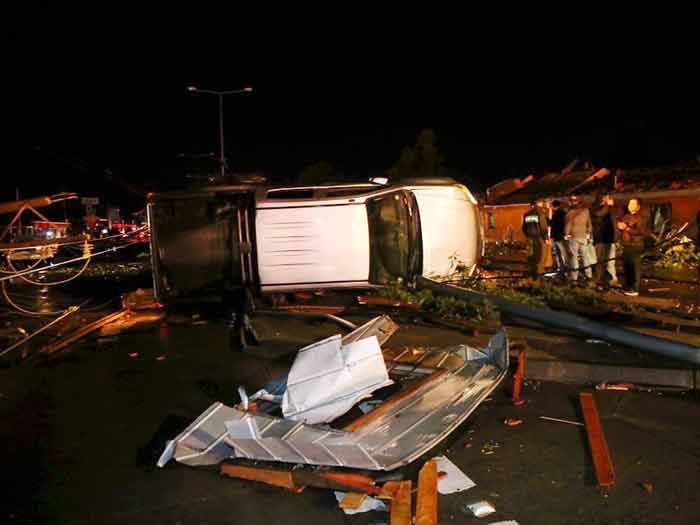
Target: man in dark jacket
(556, 231)
(603, 219)
(634, 227)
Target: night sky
(112, 95)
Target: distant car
(311, 237)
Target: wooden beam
(277, 478)
(596, 440)
(427, 502)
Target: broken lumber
(297, 479)
(356, 482)
(401, 505)
(82, 332)
(277, 478)
(352, 500)
(427, 500)
(604, 471)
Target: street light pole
(222, 158)
(220, 95)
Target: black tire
(427, 181)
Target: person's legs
(637, 269)
(628, 268)
(573, 259)
(610, 265)
(558, 248)
(541, 256)
(563, 253)
(598, 274)
(588, 257)
(531, 256)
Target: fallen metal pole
(82, 332)
(68, 312)
(574, 323)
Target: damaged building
(671, 195)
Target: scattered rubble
(393, 434)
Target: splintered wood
(401, 505)
(427, 501)
(278, 478)
(596, 440)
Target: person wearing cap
(578, 232)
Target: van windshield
(394, 230)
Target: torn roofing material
(412, 426)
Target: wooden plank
(356, 482)
(401, 505)
(390, 403)
(427, 500)
(277, 478)
(596, 440)
(352, 500)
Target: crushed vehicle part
(414, 425)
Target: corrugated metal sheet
(410, 428)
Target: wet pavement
(80, 436)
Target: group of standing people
(579, 239)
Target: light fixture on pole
(220, 95)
